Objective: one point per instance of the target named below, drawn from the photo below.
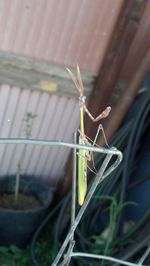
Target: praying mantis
(84, 155)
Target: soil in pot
(19, 222)
(24, 202)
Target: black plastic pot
(18, 226)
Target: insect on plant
(84, 155)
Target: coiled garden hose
(129, 145)
(133, 243)
(59, 208)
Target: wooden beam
(120, 110)
(33, 74)
(121, 40)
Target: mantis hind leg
(100, 128)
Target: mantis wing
(82, 173)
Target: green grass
(14, 256)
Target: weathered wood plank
(28, 73)
(116, 54)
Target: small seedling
(27, 130)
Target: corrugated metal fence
(57, 118)
(62, 31)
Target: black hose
(59, 207)
(125, 246)
(134, 128)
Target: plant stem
(28, 119)
(17, 183)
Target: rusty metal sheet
(62, 31)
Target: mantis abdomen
(82, 173)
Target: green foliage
(14, 256)
(114, 209)
(27, 123)
(45, 252)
